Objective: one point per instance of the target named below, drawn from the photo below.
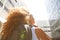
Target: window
(11, 3)
(15, 0)
(6, 9)
(1, 4)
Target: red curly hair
(14, 19)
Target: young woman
(37, 33)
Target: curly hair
(15, 18)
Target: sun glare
(37, 8)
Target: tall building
(53, 8)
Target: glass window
(1, 4)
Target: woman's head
(16, 17)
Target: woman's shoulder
(38, 29)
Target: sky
(37, 8)
(43, 9)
